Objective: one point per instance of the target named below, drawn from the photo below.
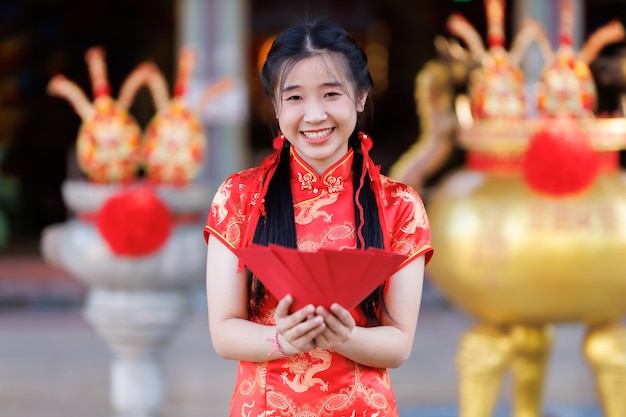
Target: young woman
(319, 189)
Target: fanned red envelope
(320, 278)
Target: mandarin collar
(332, 179)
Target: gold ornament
(517, 260)
(107, 146)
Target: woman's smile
(317, 136)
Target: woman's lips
(317, 136)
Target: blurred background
(42, 38)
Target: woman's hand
(339, 324)
(296, 332)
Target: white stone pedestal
(138, 326)
(135, 303)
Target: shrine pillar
(218, 30)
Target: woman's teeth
(317, 135)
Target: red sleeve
(407, 222)
(228, 217)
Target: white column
(218, 29)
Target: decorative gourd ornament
(566, 86)
(108, 142)
(496, 87)
(174, 144)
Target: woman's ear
(361, 104)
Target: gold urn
(508, 254)
(523, 240)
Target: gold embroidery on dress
(233, 230)
(307, 211)
(331, 183)
(244, 406)
(304, 370)
(218, 207)
(418, 218)
(341, 232)
(308, 246)
(306, 181)
(408, 246)
(341, 400)
(384, 380)
(255, 197)
(279, 401)
(260, 380)
(334, 184)
(232, 233)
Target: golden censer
(531, 231)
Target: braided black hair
(277, 225)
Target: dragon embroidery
(310, 210)
(418, 218)
(304, 370)
(218, 207)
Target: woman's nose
(314, 112)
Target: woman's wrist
(277, 348)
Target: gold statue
(518, 257)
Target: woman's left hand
(339, 324)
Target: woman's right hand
(296, 332)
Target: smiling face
(316, 107)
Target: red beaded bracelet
(277, 347)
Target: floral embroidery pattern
(334, 184)
(360, 391)
(331, 183)
(306, 180)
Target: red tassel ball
(134, 222)
(560, 160)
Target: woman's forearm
(243, 340)
(378, 347)
(232, 334)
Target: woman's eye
(332, 94)
(293, 98)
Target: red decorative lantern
(560, 160)
(134, 222)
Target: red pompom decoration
(560, 160)
(134, 222)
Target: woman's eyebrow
(333, 84)
(289, 88)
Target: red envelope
(320, 278)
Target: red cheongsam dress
(320, 382)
